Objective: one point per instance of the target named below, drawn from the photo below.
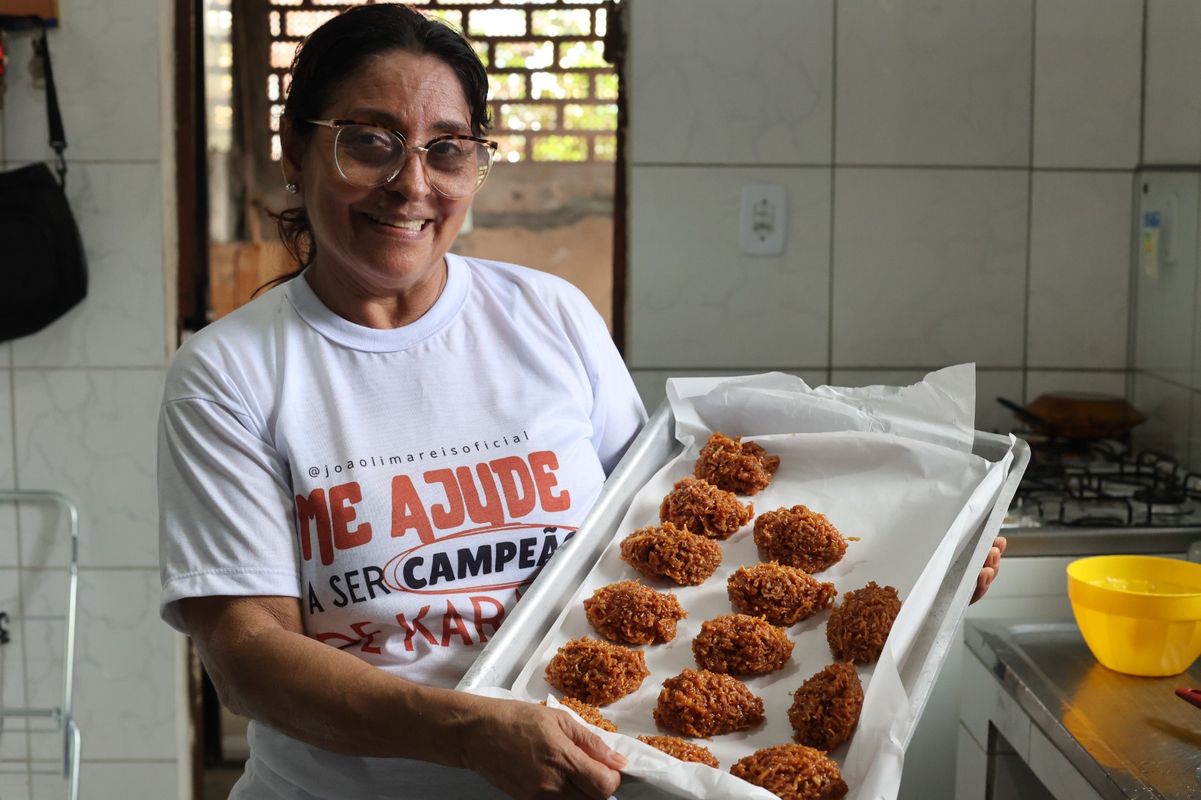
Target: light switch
(763, 219)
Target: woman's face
(387, 241)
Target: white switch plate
(763, 219)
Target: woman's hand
(531, 751)
(992, 565)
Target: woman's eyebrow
(387, 120)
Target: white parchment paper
(892, 469)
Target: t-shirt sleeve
(225, 508)
(617, 410)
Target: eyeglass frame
(422, 151)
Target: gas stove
(1102, 484)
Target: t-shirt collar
(383, 340)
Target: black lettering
(375, 580)
(474, 562)
(549, 545)
(526, 561)
(334, 580)
(353, 585)
(442, 571)
(394, 459)
(314, 603)
(410, 573)
(505, 551)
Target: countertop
(1129, 737)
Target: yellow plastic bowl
(1140, 615)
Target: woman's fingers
(992, 565)
(597, 765)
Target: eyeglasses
(368, 155)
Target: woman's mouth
(412, 225)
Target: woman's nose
(411, 181)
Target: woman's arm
(265, 668)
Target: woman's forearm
(325, 697)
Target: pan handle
(1021, 411)
(1190, 696)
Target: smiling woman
(336, 609)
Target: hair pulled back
(335, 51)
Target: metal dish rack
(60, 717)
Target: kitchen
(961, 183)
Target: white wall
(78, 403)
(1167, 351)
(959, 177)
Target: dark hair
(334, 51)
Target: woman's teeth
(403, 224)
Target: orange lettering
(368, 637)
(331, 636)
(313, 508)
(341, 500)
(408, 512)
(450, 515)
(488, 510)
(453, 620)
(481, 619)
(511, 471)
(545, 463)
(410, 630)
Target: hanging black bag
(42, 269)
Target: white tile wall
(1039, 381)
(980, 208)
(115, 780)
(1166, 295)
(124, 700)
(929, 267)
(692, 306)
(933, 83)
(737, 83)
(91, 434)
(1080, 252)
(1087, 83)
(1169, 407)
(77, 408)
(106, 68)
(121, 323)
(1172, 96)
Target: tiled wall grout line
(1029, 199)
(833, 188)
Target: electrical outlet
(763, 219)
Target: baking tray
(501, 661)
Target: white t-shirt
(405, 484)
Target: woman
(361, 468)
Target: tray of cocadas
(761, 600)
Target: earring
(291, 188)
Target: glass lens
(371, 156)
(457, 167)
(366, 155)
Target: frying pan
(1078, 415)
